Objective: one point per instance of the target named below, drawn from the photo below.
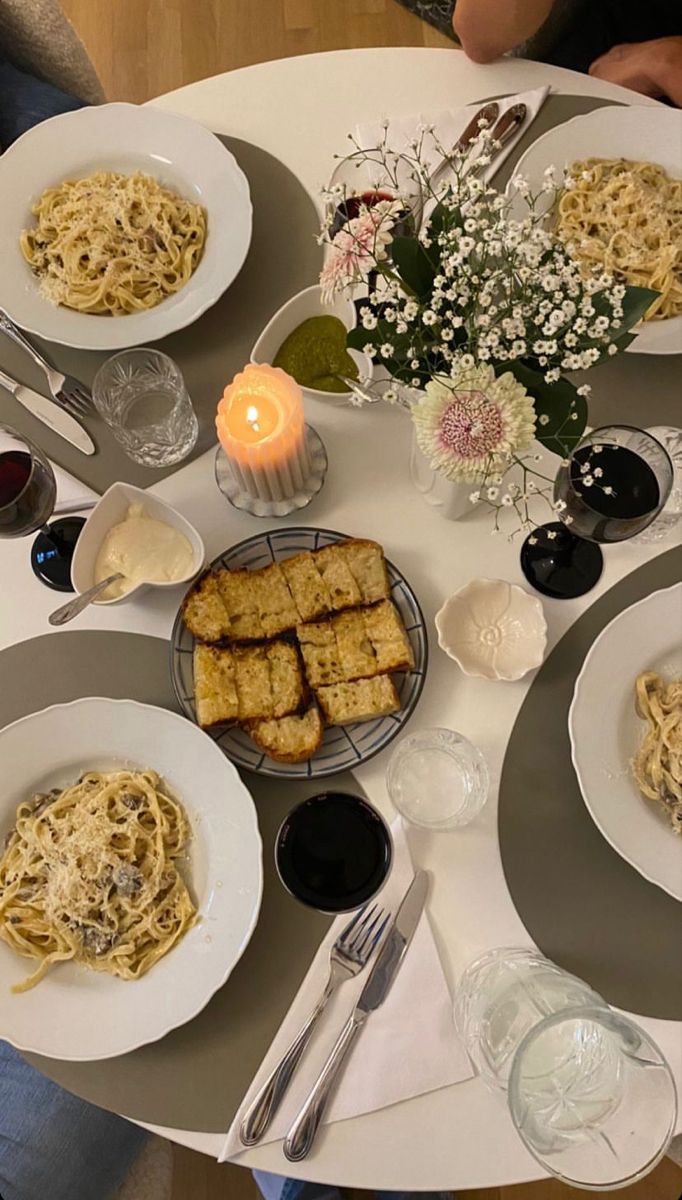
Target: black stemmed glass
(614, 484)
(28, 492)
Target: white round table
(300, 110)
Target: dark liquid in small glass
(629, 506)
(333, 852)
(27, 493)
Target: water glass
(437, 779)
(589, 1093)
(592, 1098)
(502, 996)
(671, 514)
(141, 395)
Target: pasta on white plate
(625, 218)
(657, 766)
(113, 244)
(90, 873)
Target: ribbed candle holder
(290, 489)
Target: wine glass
(612, 487)
(28, 491)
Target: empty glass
(590, 1094)
(437, 779)
(141, 395)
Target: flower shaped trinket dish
(493, 629)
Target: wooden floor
(145, 47)
(142, 48)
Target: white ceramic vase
(451, 499)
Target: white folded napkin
(448, 125)
(408, 1046)
(70, 491)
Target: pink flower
(358, 247)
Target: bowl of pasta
(121, 224)
(622, 213)
(625, 725)
(130, 876)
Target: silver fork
(349, 954)
(66, 390)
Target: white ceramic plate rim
(38, 1043)
(123, 137)
(591, 787)
(596, 134)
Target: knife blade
(47, 411)
(301, 1136)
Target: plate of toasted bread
(302, 652)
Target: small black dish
(333, 852)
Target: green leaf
(413, 265)
(635, 302)
(559, 402)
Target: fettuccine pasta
(657, 766)
(625, 218)
(89, 873)
(113, 244)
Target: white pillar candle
(261, 427)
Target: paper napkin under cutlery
(409, 1046)
(70, 490)
(448, 125)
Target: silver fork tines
(65, 390)
(351, 952)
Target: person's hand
(652, 68)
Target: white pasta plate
(638, 132)
(124, 138)
(606, 732)
(77, 1014)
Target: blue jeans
(54, 1146)
(277, 1187)
(25, 101)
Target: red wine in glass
(27, 498)
(333, 852)
(614, 484)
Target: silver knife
(50, 414)
(300, 1137)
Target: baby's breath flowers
(474, 306)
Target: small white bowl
(493, 629)
(299, 308)
(109, 511)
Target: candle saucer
(232, 491)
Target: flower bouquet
(477, 312)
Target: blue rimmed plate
(344, 746)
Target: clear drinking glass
(502, 996)
(671, 514)
(592, 1098)
(437, 779)
(141, 395)
(590, 1094)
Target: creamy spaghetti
(626, 218)
(113, 244)
(657, 766)
(89, 873)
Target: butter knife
(301, 1136)
(50, 414)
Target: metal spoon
(68, 611)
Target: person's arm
(653, 68)
(488, 28)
